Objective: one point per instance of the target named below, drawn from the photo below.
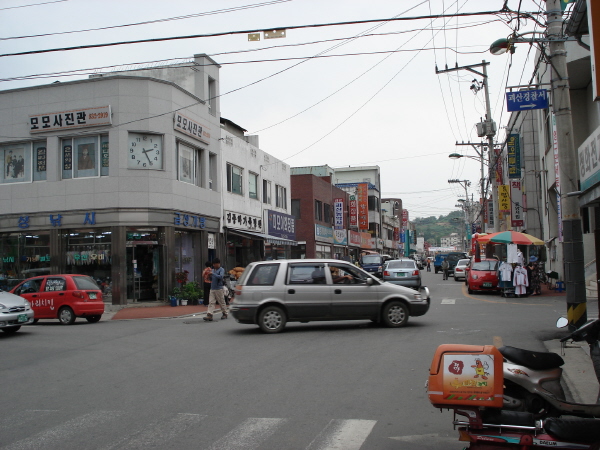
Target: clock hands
(145, 152)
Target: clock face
(144, 151)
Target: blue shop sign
(281, 225)
(188, 220)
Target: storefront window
(299, 251)
(184, 255)
(143, 263)
(273, 251)
(23, 255)
(241, 251)
(88, 253)
(322, 251)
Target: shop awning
(266, 237)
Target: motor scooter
(532, 379)
(470, 381)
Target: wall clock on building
(144, 151)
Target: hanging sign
(338, 211)
(516, 197)
(527, 100)
(363, 206)
(353, 211)
(503, 198)
(513, 147)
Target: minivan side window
(55, 284)
(263, 275)
(306, 274)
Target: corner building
(115, 177)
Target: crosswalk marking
(343, 435)
(248, 435)
(448, 301)
(67, 430)
(157, 432)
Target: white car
(14, 312)
(460, 271)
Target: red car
(62, 297)
(483, 276)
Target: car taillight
(238, 290)
(458, 269)
(386, 274)
(78, 294)
(415, 273)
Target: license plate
(92, 295)
(487, 284)
(400, 274)
(22, 318)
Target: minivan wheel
(66, 316)
(271, 319)
(395, 314)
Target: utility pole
(489, 125)
(563, 134)
(480, 155)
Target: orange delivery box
(466, 375)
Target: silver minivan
(271, 293)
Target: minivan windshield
(371, 259)
(485, 265)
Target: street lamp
(480, 158)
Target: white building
(256, 200)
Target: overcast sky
(389, 109)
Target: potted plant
(175, 296)
(191, 292)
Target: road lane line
(62, 433)
(343, 435)
(158, 432)
(249, 435)
(498, 342)
(448, 301)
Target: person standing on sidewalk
(206, 278)
(216, 291)
(445, 268)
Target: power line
(33, 4)
(227, 33)
(168, 19)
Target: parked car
(403, 272)
(483, 276)
(272, 293)
(373, 263)
(460, 271)
(14, 312)
(63, 297)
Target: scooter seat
(532, 360)
(574, 429)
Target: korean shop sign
(191, 128)
(324, 234)
(589, 160)
(242, 222)
(281, 225)
(516, 196)
(338, 210)
(65, 120)
(503, 198)
(513, 146)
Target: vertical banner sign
(353, 211)
(514, 156)
(490, 211)
(363, 206)
(516, 197)
(593, 17)
(503, 199)
(557, 178)
(404, 219)
(338, 208)
(396, 234)
(498, 164)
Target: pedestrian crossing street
(105, 430)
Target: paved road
(183, 383)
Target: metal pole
(571, 219)
(490, 136)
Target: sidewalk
(151, 310)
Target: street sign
(526, 100)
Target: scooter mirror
(562, 322)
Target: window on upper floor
(296, 209)
(327, 213)
(23, 162)
(212, 96)
(234, 179)
(253, 185)
(280, 196)
(212, 171)
(318, 210)
(85, 157)
(267, 192)
(189, 164)
(373, 203)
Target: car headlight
(417, 297)
(474, 277)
